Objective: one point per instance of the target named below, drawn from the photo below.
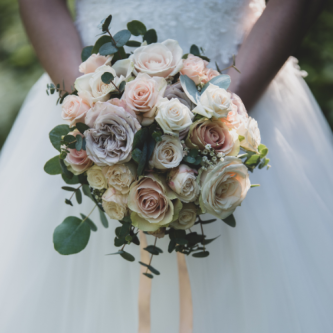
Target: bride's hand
(269, 44)
(54, 37)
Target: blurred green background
(19, 67)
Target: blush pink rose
(75, 108)
(142, 95)
(209, 73)
(214, 133)
(93, 62)
(241, 110)
(77, 161)
(194, 67)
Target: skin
(264, 51)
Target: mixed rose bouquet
(155, 139)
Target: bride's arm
(269, 44)
(53, 35)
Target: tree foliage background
(19, 67)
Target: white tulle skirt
(272, 273)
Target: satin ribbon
(185, 295)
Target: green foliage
(127, 256)
(86, 53)
(136, 28)
(82, 127)
(152, 269)
(56, 135)
(150, 36)
(92, 225)
(230, 220)
(122, 37)
(222, 81)
(52, 166)
(107, 77)
(100, 42)
(106, 23)
(133, 43)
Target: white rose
(182, 181)
(120, 176)
(224, 187)
(100, 91)
(114, 204)
(96, 178)
(214, 102)
(187, 217)
(173, 116)
(250, 131)
(158, 59)
(167, 154)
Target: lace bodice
(218, 26)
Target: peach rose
(74, 108)
(77, 161)
(93, 62)
(158, 59)
(234, 120)
(209, 74)
(194, 67)
(240, 107)
(142, 95)
(215, 133)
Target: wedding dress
(273, 273)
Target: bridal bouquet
(155, 139)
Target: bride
(273, 273)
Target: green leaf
(140, 137)
(100, 42)
(263, 150)
(151, 147)
(189, 159)
(217, 67)
(208, 221)
(56, 135)
(52, 166)
(124, 230)
(253, 160)
(68, 202)
(107, 49)
(255, 185)
(124, 254)
(230, 220)
(71, 236)
(143, 159)
(263, 163)
(193, 152)
(122, 37)
(195, 50)
(198, 160)
(82, 127)
(207, 241)
(121, 54)
(202, 254)
(241, 138)
(136, 155)
(78, 196)
(152, 269)
(107, 77)
(122, 86)
(103, 219)
(69, 138)
(119, 241)
(84, 143)
(136, 28)
(86, 53)
(126, 219)
(64, 169)
(157, 136)
(106, 23)
(153, 250)
(190, 88)
(150, 36)
(150, 276)
(78, 145)
(223, 81)
(71, 181)
(68, 188)
(172, 245)
(86, 190)
(133, 43)
(91, 224)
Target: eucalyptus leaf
(150, 36)
(172, 245)
(223, 81)
(68, 202)
(56, 135)
(136, 28)
(230, 220)
(100, 42)
(202, 254)
(125, 255)
(157, 136)
(140, 137)
(103, 219)
(136, 155)
(86, 53)
(64, 169)
(194, 50)
(52, 166)
(71, 236)
(106, 23)
(122, 37)
(82, 127)
(78, 144)
(151, 147)
(253, 160)
(152, 269)
(107, 77)
(91, 224)
(208, 241)
(143, 159)
(190, 89)
(78, 196)
(69, 138)
(263, 163)
(107, 49)
(133, 43)
(68, 188)
(122, 86)
(150, 276)
(153, 250)
(71, 181)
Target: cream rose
(152, 203)
(74, 108)
(110, 140)
(167, 154)
(224, 187)
(187, 217)
(93, 62)
(115, 204)
(250, 131)
(120, 176)
(173, 116)
(182, 181)
(239, 105)
(142, 95)
(214, 102)
(194, 67)
(215, 133)
(209, 74)
(96, 178)
(77, 161)
(158, 59)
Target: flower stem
(151, 257)
(75, 192)
(88, 214)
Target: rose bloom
(152, 203)
(187, 217)
(224, 187)
(142, 95)
(240, 107)
(110, 140)
(250, 131)
(93, 62)
(215, 133)
(158, 59)
(209, 74)
(173, 116)
(194, 67)
(92, 83)
(167, 154)
(214, 102)
(182, 181)
(234, 120)
(77, 162)
(115, 204)
(96, 178)
(176, 91)
(122, 103)
(74, 108)
(120, 176)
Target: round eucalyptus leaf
(202, 254)
(223, 81)
(122, 37)
(92, 225)
(136, 28)
(107, 49)
(194, 50)
(56, 135)
(190, 89)
(101, 41)
(71, 236)
(72, 181)
(52, 166)
(150, 36)
(133, 43)
(86, 53)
